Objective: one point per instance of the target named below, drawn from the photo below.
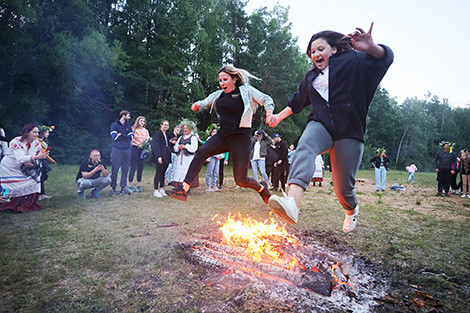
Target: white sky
(430, 39)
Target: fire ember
(267, 252)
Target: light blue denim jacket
(251, 97)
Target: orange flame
(255, 236)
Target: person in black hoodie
(445, 162)
(122, 135)
(340, 86)
(279, 172)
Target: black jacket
(271, 155)
(161, 147)
(376, 162)
(445, 160)
(353, 79)
(281, 150)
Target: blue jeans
(170, 169)
(261, 165)
(212, 172)
(380, 178)
(120, 158)
(411, 177)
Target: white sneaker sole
(275, 203)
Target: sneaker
(95, 193)
(468, 196)
(157, 194)
(112, 193)
(42, 197)
(131, 189)
(463, 196)
(350, 221)
(178, 193)
(284, 207)
(81, 194)
(438, 194)
(163, 193)
(209, 189)
(265, 194)
(215, 189)
(124, 191)
(139, 189)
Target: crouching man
(92, 174)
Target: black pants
(159, 179)
(221, 173)
(443, 179)
(137, 163)
(239, 145)
(453, 181)
(120, 158)
(279, 174)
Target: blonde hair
(243, 76)
(136, 124)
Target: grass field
(115, 254)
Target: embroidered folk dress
(184, 158)
(24, 189)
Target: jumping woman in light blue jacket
(235, 104)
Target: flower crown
(444, 142)
(43, 128)
(189, 123)
(380, 150)
(211, 128)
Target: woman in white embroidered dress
(20, 171)
(185, 148)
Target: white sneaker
(468, 196)
(157, 194)
(350, 221)
(463, 196)
(163, 193)
(284, 207)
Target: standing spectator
(259, 148)
(279, 173)
(445, 161)
(235, 104)
(3, 143)
(92, 174)
(212, 173)
(172, 138)
(161, 156)
(411, 169)
(271, 158)
(44, 132)
(318, 174)
(141, 137)
(185, 148)
(339, 86)
(380, 163)
(20, 171)
(453, 177)
(122, 135)
(465, 174)
(223, 162)
(290, 155)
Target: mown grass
(113, 253)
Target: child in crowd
(411, 169)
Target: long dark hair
(26, 130)
(334, 39)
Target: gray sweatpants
(345, 157)
(99, 183)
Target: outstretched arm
(363, 41)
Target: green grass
(109, 254)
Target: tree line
(75, 64)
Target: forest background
(76, 64)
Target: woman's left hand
(362, 41)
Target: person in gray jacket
(259, 148)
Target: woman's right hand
(41, 155)
(273, 120)
(196, 106)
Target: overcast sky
(430, 39)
